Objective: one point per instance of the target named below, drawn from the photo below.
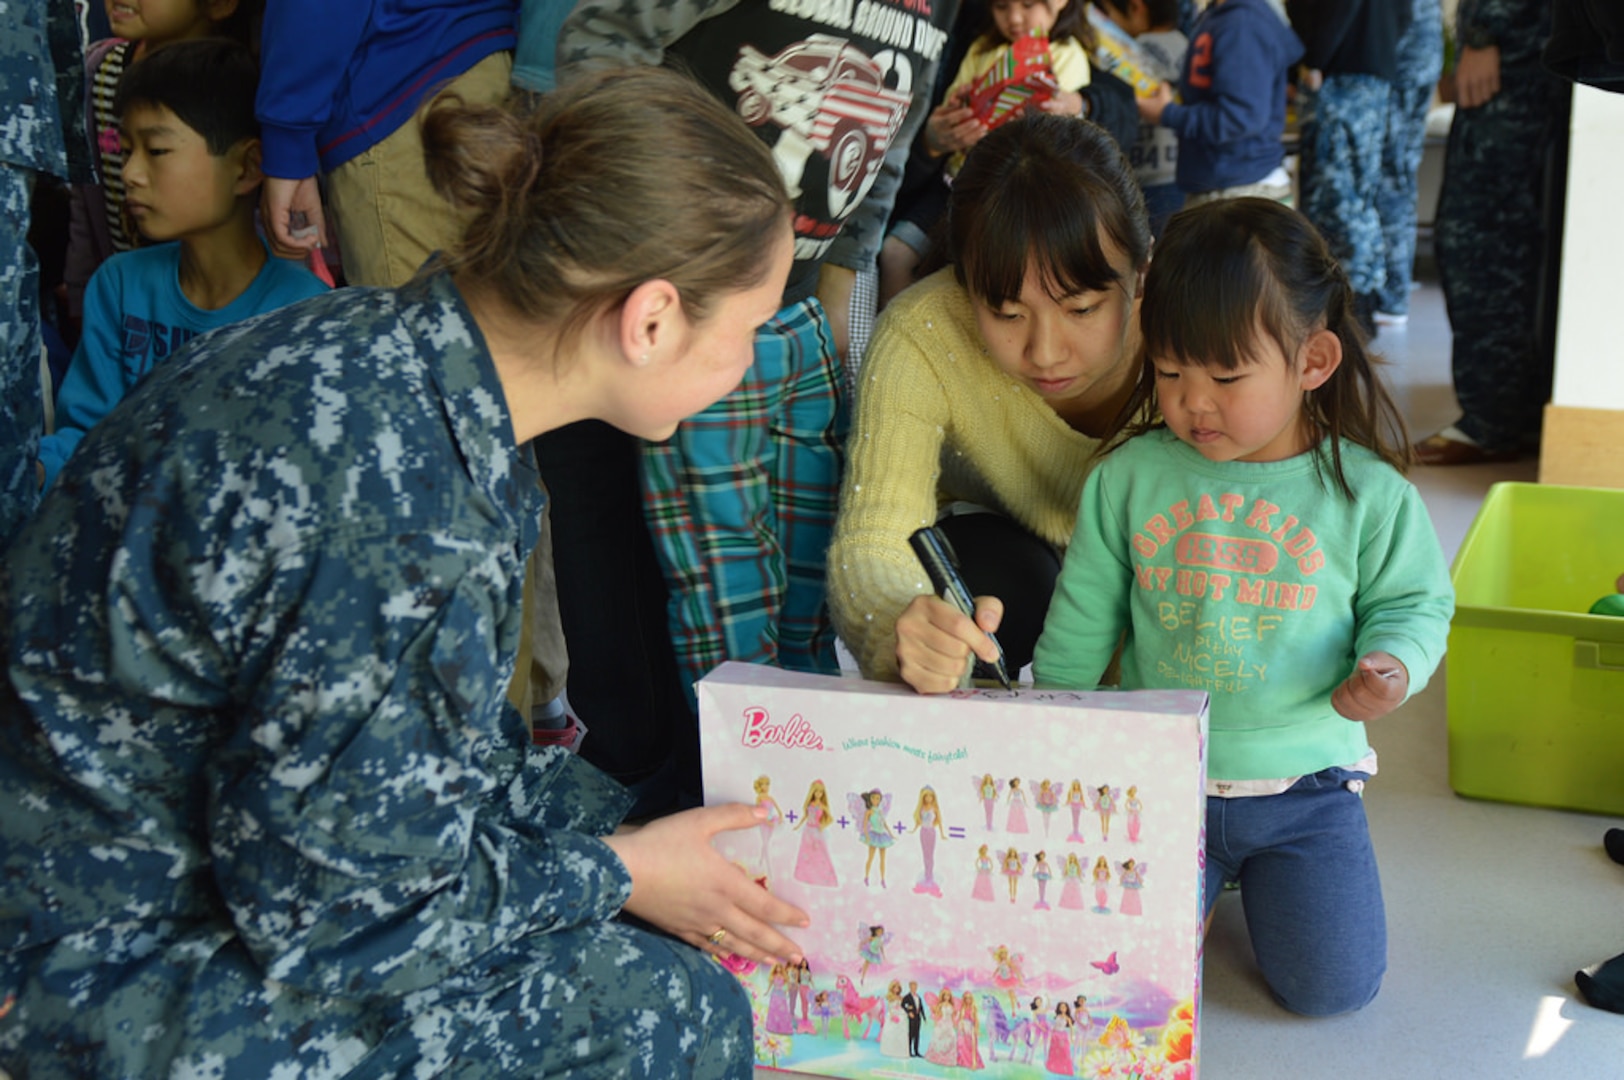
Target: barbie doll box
(1005, 880)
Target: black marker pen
(942, 565)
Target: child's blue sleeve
(1239, 108)
(95, 381)
(1405, 598)
(305, 52)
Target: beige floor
(1491, 907)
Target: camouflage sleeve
(625, 33)
(376, 831)
(1514, 25)
(67, 53)
(32, 45)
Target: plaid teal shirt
(741, 505)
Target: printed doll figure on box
(1048, 801)
(1014, 867)
(1076, 801)
(928, 824)
(1135, 810)
(1102, 885)
(871, 943)
(943, 1048)
(824, 1010)
(1042, 872)
(1016, 821)
(780, 1007)
(1131, 874)
(800, 987)
(870, 809)
(775, 815)
(1071, 884)
(812, 863)
(988, 790)
(982, 889)
(1061, 1031)
(1105, 801)
(1007, 974)
(894, 1032)
(969, 1033)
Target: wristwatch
(1475, 37)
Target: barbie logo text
(797, 734)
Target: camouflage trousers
(1342, 139)
(22, 413)
(1496, 250)
(600, 1001)
(1402, 145)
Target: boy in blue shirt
(1231, 107)
(192, 179)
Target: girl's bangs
(1206, 310)
(1057, 231)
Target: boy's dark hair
(1225, 270)
(209, 83)
(1045, 188)
(1162, 12)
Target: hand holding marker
(942, 565)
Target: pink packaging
(911, 829)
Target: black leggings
(997, 557)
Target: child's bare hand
(1378, 685)
(952, 126)
(683, 885)
(1151, 106)
(1064, 103)
(291, 211)
(935, 641)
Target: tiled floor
(1491, 907)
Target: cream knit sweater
(937, 421)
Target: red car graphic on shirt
(828, 97)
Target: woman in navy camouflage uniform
(268, 813)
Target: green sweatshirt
(1254, 581)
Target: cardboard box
(1536, 683)
(905, 879)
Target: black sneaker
(1614, 843)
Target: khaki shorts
(387, 216)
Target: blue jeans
(1309, 887)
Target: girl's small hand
(1378, 685)
(935, 641)
(952, 126)
(1150, 108)
(1064, 103)
(683, 885)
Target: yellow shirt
(937, 421)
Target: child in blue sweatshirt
(191, 177)
(341, 85)
(1231, 110)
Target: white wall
(1590, 315)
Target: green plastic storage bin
(1535, 683)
